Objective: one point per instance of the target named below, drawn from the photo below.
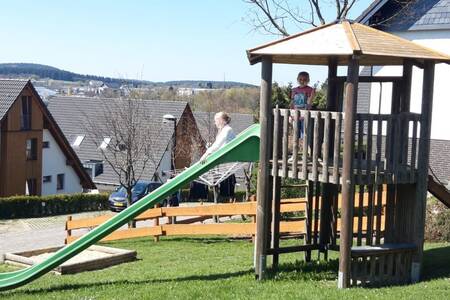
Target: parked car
(118, 199)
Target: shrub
(437, 225)
(37, 206)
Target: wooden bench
(381, 264)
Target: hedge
(37, 206)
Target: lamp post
(166, 119)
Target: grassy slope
(210, 268)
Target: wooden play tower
(349, 160)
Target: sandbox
(93, 258)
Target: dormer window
(78, 140)
(105, 143)
(25, 117)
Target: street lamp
(166, 119)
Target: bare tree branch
(277, 16)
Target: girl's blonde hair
(224, 116)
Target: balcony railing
(385, 146)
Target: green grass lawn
(214, 267)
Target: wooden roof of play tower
(341, 40)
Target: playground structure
(378, 149)
(389, 150)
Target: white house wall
(54, 163)
(438, 40)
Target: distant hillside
(14, 70)
(43, 71)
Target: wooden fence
(191, 226)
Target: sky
(152, 40)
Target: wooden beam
(329, 190)
(276, 190)
(263, 215)
(422, 168)
(351, 94)
(373, 78)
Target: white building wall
(54, 163)
(438, 40)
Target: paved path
(35, 233)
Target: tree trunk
(131, 223)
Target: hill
(37, 71)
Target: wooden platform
(333, 173)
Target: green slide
(244, 148)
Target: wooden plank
(276, 216)
(225, 228)
(316, 145)
(227, 209)
(334, 217)
(396, 147)
(369, 150)
(373, 78)
(337, 148)
(128, 233)
(276, 141)
(298, 248)
(316, 211)
(295, 145)
(370, 216)
(326, 146)
(68, 231)
(86, 223)
(413, 153)
(378, 210)
(388, 150)
(309, 218)
(284, 165)
(306, 137)
(378, 153)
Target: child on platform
(301, 98)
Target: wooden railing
(385, 146)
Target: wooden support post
(216, 198)
(276, 190)
(156, 224)
(422, 166)
(328, 190)
(263, 214)
(309, 217)
(348, 188)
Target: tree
(279, 16)
(121, 132)
(281, 95)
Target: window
(47, 178)
(25, 118)
(31, 149)
(78, 140)
(31, 187)
(46, 144)
(60, 182)
(105, 143)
